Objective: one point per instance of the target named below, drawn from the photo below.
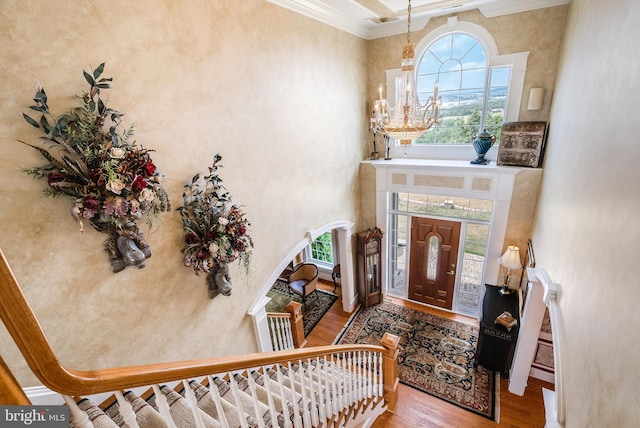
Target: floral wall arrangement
(91, 158)
(215, 230)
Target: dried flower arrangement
(215, 230)
(112, 182)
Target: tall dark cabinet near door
(497, 344)
(369, 266)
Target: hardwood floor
(416, 409)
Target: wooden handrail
(10, 391)
(23, 326)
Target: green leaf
(89, 78)
(41, 109)
(103, 85)
(45, 124)
(98, 71)
(30, 120)
(100, 107)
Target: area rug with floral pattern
(317, 303)
(436, 354)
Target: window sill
(441, 152)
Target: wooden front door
(432, 265)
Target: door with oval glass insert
(432, 265)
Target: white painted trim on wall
(542, 294)
(503, 179)
(349, 297)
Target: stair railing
(286, 329)
(348, 378)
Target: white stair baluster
(297, 421)
(215, 395)
(337, 394)
(235, 391)
(369, 375)
(352, 380)
(343, 381)
(272, 407)
(285, 407)
(163, 406)
(288, 335)
(272, 334)
(275, 331)
(306, 416)
(360, 373)
(79, 417)
(193, 403)
(256, 401)
(379, 375)
(314, 392)
(374, 374)
(282, 330)
(327, 387)
(126, 410)
(321, 389)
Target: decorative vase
(482, 143)
(219, 282)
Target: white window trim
(518, 63)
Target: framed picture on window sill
(522, 144)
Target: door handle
(451, 272)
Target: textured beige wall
(281, 98)
(586, 231)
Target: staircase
(312, 393)
(327, 386)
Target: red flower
(240, 245)
(149, 168)
(55, 177)
(90, 203)
(242, 230)
(191, 238)
(139, 183)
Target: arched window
(474, 95)
(479, 88)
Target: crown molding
(499, 8)
(353, 17)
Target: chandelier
(407, 120)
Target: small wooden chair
(303, 280)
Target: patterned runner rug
(436, 354)
(318, 303)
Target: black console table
(496, 344)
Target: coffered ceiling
(371, 19)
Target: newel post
(390, 369)
(297, 328)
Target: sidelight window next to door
(430, 264)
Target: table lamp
(511, 261)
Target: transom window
(474, 94)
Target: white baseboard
(551, 414)
(43, 396)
